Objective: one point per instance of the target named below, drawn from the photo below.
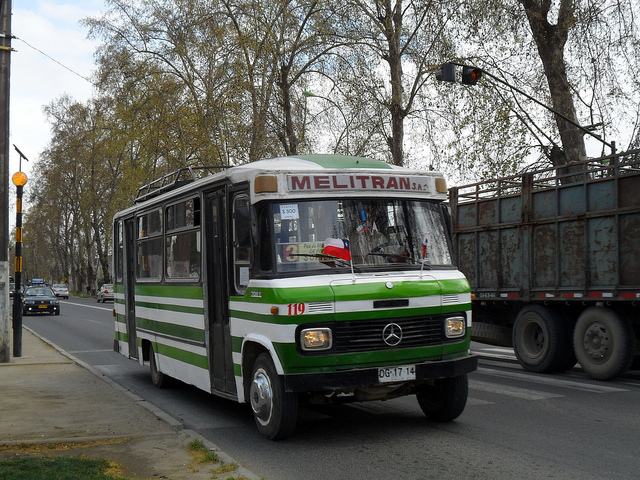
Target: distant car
(40, 300)
(105, 293)
(60, 290)
(12, 289)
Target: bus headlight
(312, 339)
(455, 327)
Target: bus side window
(119, 262)
(264, 249)
(149, 245)
(241, 242)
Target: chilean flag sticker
(337, 247)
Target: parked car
(40, 300)
(105, 293)
(60, 290)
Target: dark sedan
(40, 300)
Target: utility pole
(5, 76)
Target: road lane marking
(86, 306)
(546, 380)
(517, 392)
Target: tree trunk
(550, 41)
(392, 21)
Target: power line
(53, 59)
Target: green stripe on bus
(281, 319)
(293, 362)
(236, 344)
(185, 356)
(289, 295)
(193, 292)
(345, 316)
(324, 293)
(343, 161)
(175, 330)
(171, 307)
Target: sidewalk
(54, 404)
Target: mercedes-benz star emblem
(392, 334)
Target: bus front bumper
(351, 379)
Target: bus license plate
(42, 306)
(397, 374)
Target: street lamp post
(19, 180)
(309, 94)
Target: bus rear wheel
(275, 410)
(158, 378)
(445, 400)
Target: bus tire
(275, 410)
(604, 343)
(158, 378)
(445, 400)
(541, 340)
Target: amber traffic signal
(470, 75)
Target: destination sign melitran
(297, 183)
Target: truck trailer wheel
(542, 340)
(274, 409)
(445, 399)
(604, 343)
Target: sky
(50, 42)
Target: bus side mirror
(243, 226)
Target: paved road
(516, 424)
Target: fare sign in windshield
(406, 183)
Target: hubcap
(534, 340)
(596, 342)
(261, 396)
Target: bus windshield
(323, 234)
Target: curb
(174, 423)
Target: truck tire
(542, 340)
(445, 400)
(274, 409)
(604, 343)
(491, 334)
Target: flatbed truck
(553, 259)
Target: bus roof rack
(175, 179)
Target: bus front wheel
(445, 400)
(274, 409)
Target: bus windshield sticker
(289, 212)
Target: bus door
(216, 235)
(129, 286)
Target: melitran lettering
(355, 182)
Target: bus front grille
(369, 335)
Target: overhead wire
(52, 59)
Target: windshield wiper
(404, 258)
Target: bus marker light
(275, 310)
(266, 184)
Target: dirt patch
(137, 458)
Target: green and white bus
(306, 279)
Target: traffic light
(446, 73)
(470, 75)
